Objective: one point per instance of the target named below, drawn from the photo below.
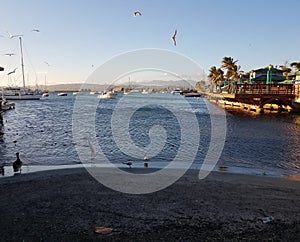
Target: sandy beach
(67, 205)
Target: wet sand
(66, 205)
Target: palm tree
(215, 76)
(286, 70)
(232, 70)
(296, 65)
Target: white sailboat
(18, 93)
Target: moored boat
(61, 94)
(17, 93)
(107, 95)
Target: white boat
(61, 94)
(107, 95)
(176, 92)
(17, 93)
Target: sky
(78, 36)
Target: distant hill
(154, 84)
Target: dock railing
(257, 88)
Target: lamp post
(252, 76)
(269, 74)
(240, 79)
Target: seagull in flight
(10, 54)
(35, 30)
(137, 13)
(12, 71)
(13, 35)
(174, 37)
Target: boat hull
(107, 96)
(23, 97)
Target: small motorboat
(107, 95)
(62, 94)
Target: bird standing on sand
(137, 13)
(12, 71)
(174, 37)
(129, 163)
(17, 164)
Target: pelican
(137, 13)
(174, 37)
(9, 54)
(17, 164)
(12, 71)
(129, 163)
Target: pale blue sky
(77, 34)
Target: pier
(258, 97)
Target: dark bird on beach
(174, 37)
(12, 71)
(137, 13)
(2, 171)
(17, 164)
(129, 163)
(10, 54)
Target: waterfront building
(267, 75)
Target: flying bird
(137, 13)
(174, 37)
(13, 35)
(9, 54)
(12, 71)
(36, 30)
(46, 63)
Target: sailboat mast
(22, 63)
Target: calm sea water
(42, 132)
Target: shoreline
(28, 169)
(67, 204)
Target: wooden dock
(259, 96)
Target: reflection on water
(42, 132)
